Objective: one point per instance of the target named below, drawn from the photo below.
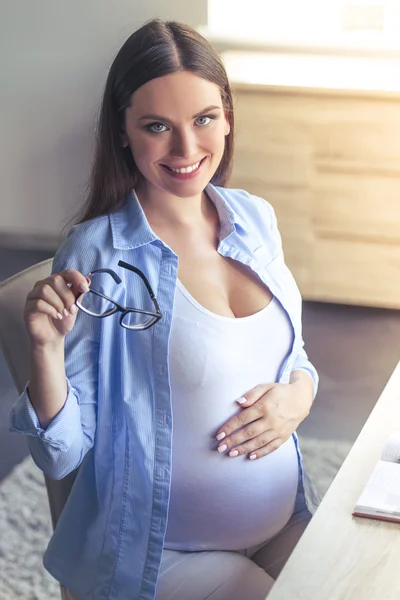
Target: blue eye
(205, 120)
(156, 127)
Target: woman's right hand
(50, 309)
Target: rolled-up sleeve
(61, 431)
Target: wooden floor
(355, 349)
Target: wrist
(40, 350)
(304, 386)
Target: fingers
(38, 305)
(253, 430)
(240, 420)
(250, 397)
(75, 281)
(56, 294)
(255, 406)
(244, 437)
(250, 432)
(255, 448)
(261, 426)
(261, 451)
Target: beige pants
(243, 575)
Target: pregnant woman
(167, 358)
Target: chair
(14, 344)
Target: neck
(166, 210)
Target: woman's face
(176, 128)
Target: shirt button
(160, 369)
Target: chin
(188, 191)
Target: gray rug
(25, 522)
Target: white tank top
(218, 502)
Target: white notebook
(380, 499)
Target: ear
(124, 138)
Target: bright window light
(357, 23)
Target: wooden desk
(341, 557)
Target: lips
(184, 172)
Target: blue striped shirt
(116, 424)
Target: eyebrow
(160, 118)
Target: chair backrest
(15, 345)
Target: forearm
(47, 383)
(58, 414)
(60, 427)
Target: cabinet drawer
(356, 273)
(357, 206)
(352, 134)
(272, 140)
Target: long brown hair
(158, 48)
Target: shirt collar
(130, 228)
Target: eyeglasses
(99, 305)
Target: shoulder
(250, 208)
(255, 220)
(86, 246)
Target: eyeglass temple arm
(125, 265)
(113, 274)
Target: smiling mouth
(185, 170)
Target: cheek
(219, 139)
(144, 149)
(216, 137)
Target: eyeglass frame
(156, 316)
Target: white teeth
(186, 169)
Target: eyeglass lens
(132, 288)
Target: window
(322, 24)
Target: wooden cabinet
(329, 163)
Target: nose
(184, 143)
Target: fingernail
(65, 312)
(221, 435)
(252, 456)
(222, 448)
(233, 453)
(73, 309)
(59, 316)
(242, 400)
(83, 287)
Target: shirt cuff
(313, 375)
(61, 431)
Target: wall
(54, 57)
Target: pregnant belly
(222, 503)
(218, 502)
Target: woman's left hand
(271, 413)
